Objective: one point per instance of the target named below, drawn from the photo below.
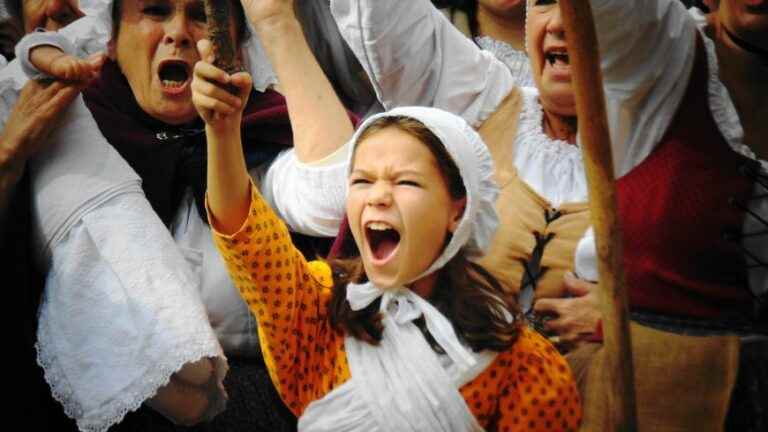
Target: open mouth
(383, 239)
(174, 74)
(557, 58)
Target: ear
(457, 212)
(112, 49)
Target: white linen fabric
(414, 56)
(516, 60)
(413, 389)
(553, 168)
(121, 313)
(404, 46)
(131, 284)
(234, 325)
(105, 285)
(348, 408)
(310, 198)
(678, 25)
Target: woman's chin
(561, 103)
(383, 278)
(171, 115)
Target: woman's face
(156, 49)
(49, 14)
(399, 207)
(747, 19)
(547, 51)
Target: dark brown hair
(235, 7)
(472, 299)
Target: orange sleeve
(289, 298)
(540, 394)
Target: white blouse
(415, 56)
(516, 60)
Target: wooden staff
(218, 13)
(598, 161)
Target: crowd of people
(382, 221)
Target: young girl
(411, 335)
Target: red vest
(678, 209)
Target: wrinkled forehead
(236, 9)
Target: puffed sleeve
(415, 56)
(647, 48)
(289, 297)
(310, 198)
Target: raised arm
(319, 121)
(414, 56)
(647, 49)
(283, 291)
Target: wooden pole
(218, 13)
(598, 161)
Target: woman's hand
(53, 62)
(31, 121)
(575, 318)
(220, 109)
(229, 193)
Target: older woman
(414, 56)
(160, 136)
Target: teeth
(553, 57)
(378, 226)
(169, 83)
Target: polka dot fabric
(528, 387)
(288, 296)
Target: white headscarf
(473, 234)
(415, 390)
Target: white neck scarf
(404, 306)
(473, 233)
(403, 383)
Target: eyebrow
(397, 173)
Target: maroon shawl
(168, 158)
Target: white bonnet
(469, 152)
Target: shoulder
(532, 353)
(539, 383)
(321, 272)
(539, 372)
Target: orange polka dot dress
(526, 388)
